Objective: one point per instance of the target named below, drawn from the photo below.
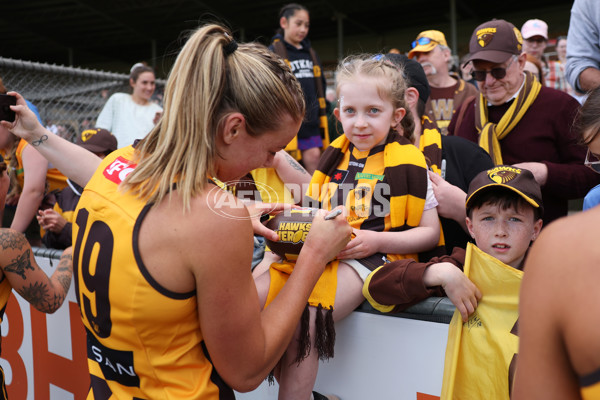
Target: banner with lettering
(44, 355)
(481, 351)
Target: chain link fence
(68, 99)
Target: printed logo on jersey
(338, 176)
(116, 365)
(485, 36)
(503, 174)
(362, 175)
(302, 68)
(118, 170)
(361, 192)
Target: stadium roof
(114, 34)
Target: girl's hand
(364, 244)
(26, 124)
(51, 221)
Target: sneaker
(319, 396)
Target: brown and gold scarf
(490, 133)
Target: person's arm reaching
(73, 161)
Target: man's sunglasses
(422, 41)
(497, 73)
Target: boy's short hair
(507, 186)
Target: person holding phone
(31, 179)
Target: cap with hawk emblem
(520, 181)
(495, 41)
(97, 141)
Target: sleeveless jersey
(144, 341)
(55, 180)
(590, 385)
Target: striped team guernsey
(430, 143)
(383, 189)
(55, 180)
(143, 341)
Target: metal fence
(68, 99)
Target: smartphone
(6, 114)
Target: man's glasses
(537, 40)
(497, 73)
(422, 41)
(592, 161)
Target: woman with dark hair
(132, 116)
(291, 43)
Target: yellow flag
(480, 351)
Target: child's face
(504, 234)
(365, 116)
(296, 27)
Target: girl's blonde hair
(391, 85)
(207, 82)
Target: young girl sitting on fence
(381, 179)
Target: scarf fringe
(304, 340)
(324, 334)
(271, 378)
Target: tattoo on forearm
(38, 295)
(20, 264)
(64, 271)
(40, 141)
(295, 164)
(11, 240)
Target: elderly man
(520, 122)
(448, 91)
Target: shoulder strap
(317, 72)
(279, 49)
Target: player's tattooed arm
(10, 240)
(24, 275)
(295, 164)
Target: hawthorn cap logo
(519, 37)
(503, 175)
(97, 140)
(484, 36)
(494, 41)
(520, 181)
(87, 134)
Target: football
(292, 226)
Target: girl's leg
(296, 381)
(268, 259)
